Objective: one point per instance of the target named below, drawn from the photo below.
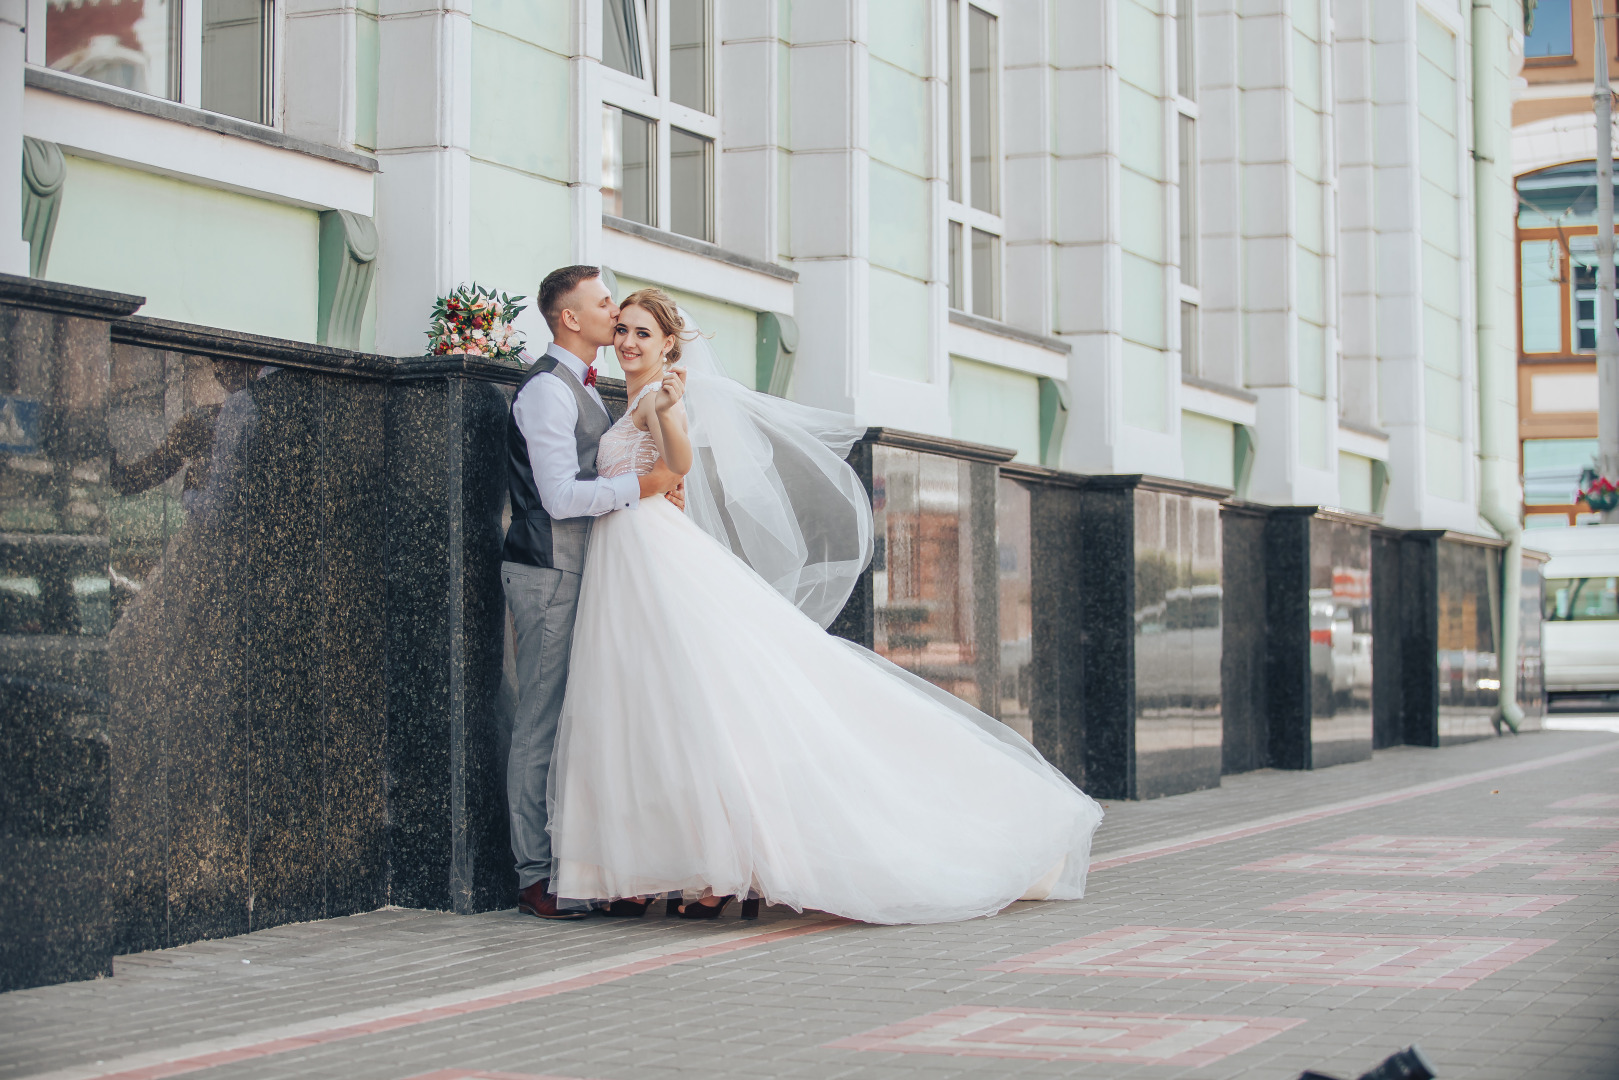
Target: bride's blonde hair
(661, 306)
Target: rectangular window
(1582, 261)
(1552, 31)
(1186, 48)
(624, 37)
(134, 44)
(954, 93)
(627, 173)
(986, 274)
(691, 184)
(983, 107)
(1542, 292)
(957, 301)
(1188, 198)
(1552, 467)
(1189, 358)
(235, 46)
(690, 81)
(1587, 599)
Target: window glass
(1188, 338)
(691, 171)
(131, 44)
(986, 271)
(1553, 31)
(1563, 195)
(1582, 263)
(957, 301)
(1594, 599)
(233, 58)
(1542, 296)
(1551, 469)
(627, 165)
(623, 26)
(1188, 200)
(955, 100)
(1186, 48)
(982, 109)
(689, 83)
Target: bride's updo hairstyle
(664, 312)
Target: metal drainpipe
(1497, 367)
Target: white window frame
(650, 98)
(190, 55)
(962, 212)
(1187, 107)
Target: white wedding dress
(715, 737)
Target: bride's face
(639, 342)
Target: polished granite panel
(1340, 605)
(857, 619)
(1287, 633)
(1244, 705)
(934, 573)
(1469, 591)
(1015, 604)
(1388, 646)
(1107, 641)
(1531, 662)
(1056, 672)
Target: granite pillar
(1531, 662)
(1151, 612)
(1244, 702)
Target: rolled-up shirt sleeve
(546, 413)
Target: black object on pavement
(1407, 1064)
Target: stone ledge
(937, 444)
(1162, 484)
(1006, 330)
(1220, 388)
(695, 247)
(57, 82)
(250, 348)
(64, 299)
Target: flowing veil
(769, 480)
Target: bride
(717, 742)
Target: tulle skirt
(713, 737)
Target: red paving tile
(1484, 905)
(1182, 1040)
(1160, 952)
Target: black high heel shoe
(699, 910)
(625, 908)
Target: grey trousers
(543, 603)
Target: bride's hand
(677, 495)
(674, 388)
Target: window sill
(1548, 61)
(698, 247)
(1005, 330)
(1358, 428)
(72, 86)
(1220, 388)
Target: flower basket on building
(477, 322)
(1598, 492)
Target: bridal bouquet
(475, 321)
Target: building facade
(1554, 152)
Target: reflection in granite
(934, 575)
(1014, 555)
(1340, 603)
(1468, 656)
(1244, 706)
(1405, 689)
(1151, 603)
(1056, 678)
(1531, 664)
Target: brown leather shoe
(537, 900)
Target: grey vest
(535, 537)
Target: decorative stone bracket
(43, 171)
(1053, 420)
(348, 263)
(775, 351)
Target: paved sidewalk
(1466, 899)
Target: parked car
(1580, 633)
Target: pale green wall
(519, 229)
(1355, 482)
(1208, 450)
(1145, 395)
(899, 319)
(1314, 422)
(993, 405)
(729, 329)
(520, 96)
(198, 255)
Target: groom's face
(592, 306)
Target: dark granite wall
(1244, 704)
(1469, 600)
(1057, 705)
(1531, 664)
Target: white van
(1580, 634)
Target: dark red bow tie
(590, 376)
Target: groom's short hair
(558, 286)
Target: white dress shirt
(546, 411)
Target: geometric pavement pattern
(1158, 952)
(1588, 802)
(1072, 1035)
(1482, 905)
(1576, 821)
(1445, 857)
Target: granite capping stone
(937, 444)
(1041, 474)
(58, 82)
(1014, 333)
(250, 348)
(61, 299)
(1162, 484)
(694, 246)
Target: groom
(557, 418)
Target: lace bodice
(625, 448)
